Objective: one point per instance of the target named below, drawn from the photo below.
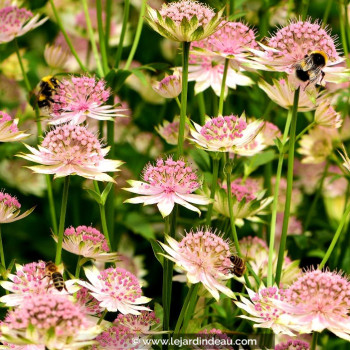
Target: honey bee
(239, 265)
(48, 86)
(54, 275)
(309, 69)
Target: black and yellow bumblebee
(52, 271)
(47, 86)
(239, 265)
(309, 69)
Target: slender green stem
(336, 237)
(101, 36)
(51, 204)
(304, 7)
(2, 255)
(91, 34)
(66, 37)
(289, 186)
(24, 74)
(122, 34)
(102, 317)
(78, 267)
(201, 107)
(275, 202)
(184, 308)
(327, 11)
(191, 306)
(314, 341)
(137, 35)
(62, 220)
(232, 7)
(311, 125)
(343, 31)
(183, 112)
(108, 11)
(178, 102)
(216, 162)
(223, 86)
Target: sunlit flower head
(15, 22)
(82, 97)
(184, 20)
(327, 117)
(116, 289)
(170, 86)
(169, 131)
(87, 242)
(225, 133)
(50, 320)
(316, 146)
(142, 323)
(72, 150)
(263, 311)
(204, 257)
(293, 345)
(29, 280)
(56, 56)
(10, 209)
(319, 300)
(9, 130)
(248, 200)
(166, 183)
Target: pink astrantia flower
(170, 131)
(89, 304)
(116, 289)
(88, 242)
(166, 183)
(30, 280)
(204, 257)
(225, 133)
(72, 150)
(143, 323)
(10, 209)
(15, 22)
(81, 97)
(293, 345)
(170, 86)
(8, 129)
(50, 320)
(263, 310)
(327, 117)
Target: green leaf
(158, 309)
(258, 160)
(233, 17)
(316, 253)
(157, 250)
(105, 193)
(139, 74)
(154, 67)
(201, 158)
(139, 224)
(116, 78)
(94, 195)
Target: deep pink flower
(293, 345)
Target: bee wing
(304, 64)
(314, 75)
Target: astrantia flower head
(184, 20)
(170, 86)
(81, 97)
(56, 56)
(166, 183)
(29, 280)
(138, 323)
(72, 150)
(346, 159)
(327, 117)
(225, 133)
(51, 320)
(10, 209)
(319, 300)
(293, 345)
(8, 129)
(204, 257)
(15, 22)
(89, 304)
(88, 242)
(116, 289)
(170, 131)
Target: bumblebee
(48, 86)
(309, 69)
(239, 265)
(55, 276)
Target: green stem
(2, 255)
(51, 204)
(62, 220)
(304, 131)
(108, 11)
(184, 308)
(66, 37)
(314, 341)
(101, 36)
(327, 11)
(137, 35)
(216, 162)
(24, 74)
(91, 34)
(102, 317)
(191, 306)
(178, 102)
(122, 34)
(78, 267)
(343, 31)
(223, 85)
(289, 187)
(275, 202)
(305, 7)
(336, 237)
(201, 107)
(183, 112)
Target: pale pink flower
(225, 133)
(293, 345)
(15, 22)
(308, 175)
(170, 86)
(10, 209)
(116, 289)
(170, 131)
(89, 304)
(29, 280)
(87, 242)
(295, 226)
(263, 311)
(204, 257)
(327, 117)
(319, 300)
(72, 150)
(335, 184)
(184, 20)
(166, 183)
(56, 56)
(8, 129)
(143, 323)
(50, 320)
(78, 98)
(11, 346)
